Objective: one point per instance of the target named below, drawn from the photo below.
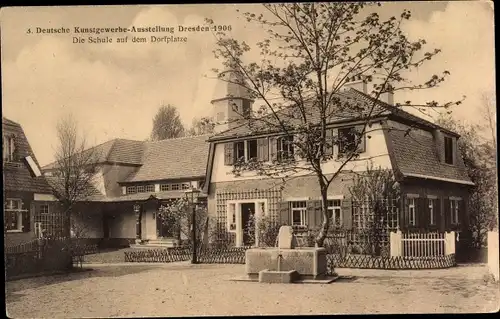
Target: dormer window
(245, 108)
(8, 148)
(448, 150)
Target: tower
(230, 101)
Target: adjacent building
(28, 199)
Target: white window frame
(140, 189)
(185, 186)
(131, 190)
(165, 187)
(301, 210)
(238, 229)
(48, 209)
(412, 215)
(454, 210)
(8, 148)
(333, 208)
(9, 208)
(281, 146)
(175, 187)
(149, 188)
(432, 217)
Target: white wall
(376, 153)
(123, 225)
(493, 260)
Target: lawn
(181, 289)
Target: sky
(115, 89)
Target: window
(285, 148)
(44, 209)
(245, 108)
(14, 215)
(140, 189)
(175, 187)
(164, 187)
(411, 212)
(298, 211)
(150, 188)
(454, 211)
(186, 185)
(231, 217)
(448, 150)
(8, 148)
(347, 140)
(251, 150)
(239, 151)
(432, 217)
(335, 211)
(131, 190)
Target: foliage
(265, 229)
(167, 124)
(200, 127)
(479, 157)
(218, 236)
(178, 214)
(312, 51)
(375, 187)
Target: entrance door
(247, 210)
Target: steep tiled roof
(115, 151)
(355, 99)
(415, 155)
(17, 175)
(173, 158)
(93, 193)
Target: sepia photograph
(300, 158)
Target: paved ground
(135, 290)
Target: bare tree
(75, 169)
(320, 47)
(167, 124)
(200, 126)
(489, 114)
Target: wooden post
(449, 243)
(138, 230)
(395, 242)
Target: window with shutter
(347, 213)
(431, 204)
(361, 139)
(412, 214)
(328, 150)
(284, 213)
(228, 154)
(298, 214)
(263, 150)
(446, 213)
(273, 145)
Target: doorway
(248, 211)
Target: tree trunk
(325, 225)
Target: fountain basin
(308, 262)
(278, 277)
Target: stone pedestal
(309, 262)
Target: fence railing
(30, 246)
(431, 244)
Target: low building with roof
(133, 180)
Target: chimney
(439, 142)
(355, 82)
(387, 97)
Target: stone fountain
(286, 263)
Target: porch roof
(146, 196)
